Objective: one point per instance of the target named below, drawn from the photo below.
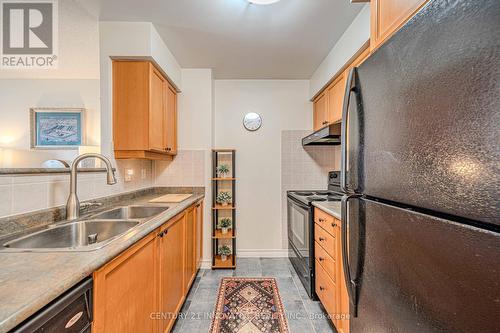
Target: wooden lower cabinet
(144, 288)
(126, 290)
(172, 270)
(326, 290)
(198, 216)
(190, 271)
(330, 282)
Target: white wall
(357, 34)
(78, 47)
(75, 83)
(283, 105)
(137, 39)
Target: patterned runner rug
(249, 305)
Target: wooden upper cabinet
(387, 16)
(328, 105)
(362, 56)
(320, 111)
(144, 112)
(172, 266)
(157, 111)
(335, 93)
(120, 305)
(171, 121)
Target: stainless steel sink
(130, 213)
(83, 235)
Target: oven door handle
(298, 203)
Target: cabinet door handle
(321, 258)
(321, 239)
(322, 288)
(321, 220)
(334, 225)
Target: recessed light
(262, 2)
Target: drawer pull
(321, 219)
(322, 288)
(334, 225)
(321, 239)
(321, 259)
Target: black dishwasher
(70, 313)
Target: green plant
(224, 250)
(223, 169)
(225, 222)
(224, 197)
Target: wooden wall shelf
(227, 184)
(220, 207)
(220, 235)
(228, 263)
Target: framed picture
(57, 128)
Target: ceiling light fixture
(262, 2)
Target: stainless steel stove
(300, 217)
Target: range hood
(327, 136)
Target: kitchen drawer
(326, 261)
(326, 291)
(327, 241)
(326, 221)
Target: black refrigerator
(420, 175)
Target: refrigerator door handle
(351, 283)
(350, 87)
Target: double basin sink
(87, 234)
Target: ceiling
(238, 40)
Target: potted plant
(224, 251)
(224, 198)
(223, 170)
(224, 224)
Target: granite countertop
(31, 280)
(330, 207)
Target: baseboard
(251, 253)
(206, 264)
(262, 253)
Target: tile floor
(303, 315)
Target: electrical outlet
(143, 174)
(128, 175)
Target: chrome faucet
(73, 204)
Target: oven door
(300, 242)
(298, 227)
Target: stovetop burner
(304, 194)
(334, 197)
(323, 192)
(309, 196)
(316, 198)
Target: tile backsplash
(28, 193)
(186, 169)
(303, 168)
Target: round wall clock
(252, 121)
